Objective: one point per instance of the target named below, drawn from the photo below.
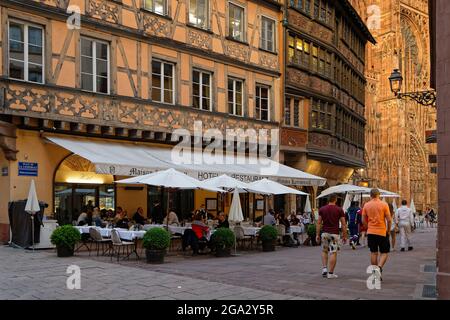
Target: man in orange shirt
(377, 219)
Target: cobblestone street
(288, 273)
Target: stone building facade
(397, 155)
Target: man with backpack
(353, 218)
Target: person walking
(353, 218)
(405, 220)
(377, 218)
(394, 227)
(329, 218)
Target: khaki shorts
(330, 242)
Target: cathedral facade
(397, 155)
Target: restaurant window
(201, 90)
(267, 34)
(156, 6)
(235, 97)
(94, 65)
(163, 81)
(181, 201)
(26, 47)
(78, 188)
(199, 13)
(262, 103)
(236, 22)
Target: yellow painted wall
(130, 200)
(4, 190)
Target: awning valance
(128, 159)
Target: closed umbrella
(394, 206)
(347, 202)
(235, 215)
(32, 206)
(308, 205)
(412, 206)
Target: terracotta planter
(63, 251)
(155, 256)
(268, 246)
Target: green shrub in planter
(311, 231)
(156, 241)
(222, 241)
(268, 234)
(65, 238)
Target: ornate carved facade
(396, 152)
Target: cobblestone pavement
(288, 273)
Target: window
(296, 113)
(199, 13)
(291, 50)
(262, 103)
(321, 115)
(156, 6)
(308, 7)
(235, 97)
(323, 11)
(328, 65)
(163, 82)
(267, 34)
(321, 61)
(236, 22)
(26, 46)
(314, 57)
(201, 90)
(94, 65)
(316, 8)
(287, 112)
(306, 53)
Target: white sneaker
(332, 276)
(324, 272)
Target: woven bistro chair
(118, 244)
(99, 241)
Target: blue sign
(29, 169)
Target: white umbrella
(226, 182)
(235, 215)
(394, 206)
(347, 202)
(169, 178)
(32, 206)
(344, 188)
(412, 206)
(307, 205)
(265, 186)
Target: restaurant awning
(128, 159)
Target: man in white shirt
(405, 219)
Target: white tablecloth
(296, 229)
(172, 228)
(123, 233)
(251, 231)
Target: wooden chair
(118, 244)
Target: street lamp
(425, 98)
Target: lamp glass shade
(396, 81)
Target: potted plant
(311, 232)
(222, 241)
(65, 238)
(156, 241)
(268, 235)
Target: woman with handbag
(394, 227)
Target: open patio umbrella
(171, 179)
(344, 188)
(235, 215)
(32, 206)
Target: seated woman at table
(82, 219)
(200, 228)
(223, 220)
(173, 218)
(138, 216)
(96, 217)
(121, 218)
(293, 219)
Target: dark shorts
(378, 243)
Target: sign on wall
(29, 169)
